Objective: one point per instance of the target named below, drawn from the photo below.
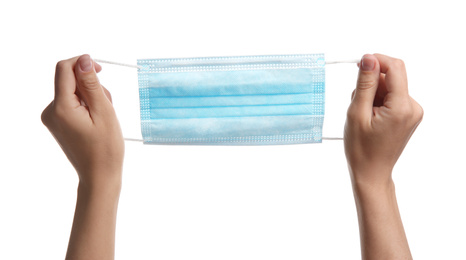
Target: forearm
(93, 232)
(380, 226)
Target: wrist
(366, 176)
(374, 187)
(108, 185)
(98, 178)
(373, 190)
(372, 184)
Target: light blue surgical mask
(246, 100)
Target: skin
(82, 120)
(380, 121)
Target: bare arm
(381, 119)
(93, 232)
(82, 120)
(380, 227)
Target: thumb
(88, 84)
(368, 81)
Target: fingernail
(85, 63)
(367, 63)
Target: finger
(107, 93)
(367, 83)
(65, 80)
(97, 67)
(89, 86)
(396, 80)
(381, 92)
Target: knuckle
(90, 83)
(61, 65)
(52, 114)
(353, 114)
(398, 63)
(60, 114)
(366, 83)
(409, 113)
(45, 117)
(402, 114)
(405, 112)
(419, 113)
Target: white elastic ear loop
(118, 63)
(341, 61)
(139, 67)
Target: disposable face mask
(248, 100)
(244, 100)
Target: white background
(273, 202)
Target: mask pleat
(233, 100)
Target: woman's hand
(84, 123)
(380, 120)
